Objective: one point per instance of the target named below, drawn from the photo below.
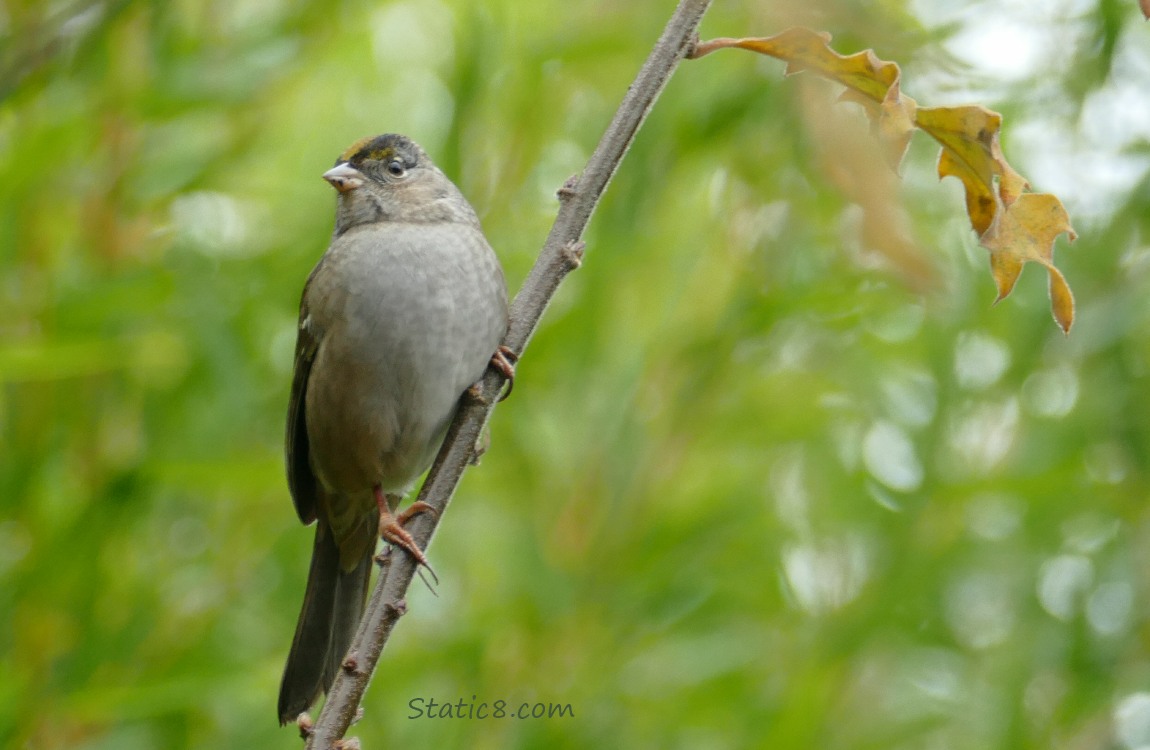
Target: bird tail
(332, 606)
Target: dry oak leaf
(803, 49)
(1015, 226)
(869, 81)
(1026, 231)
(971, 152)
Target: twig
(561, 254)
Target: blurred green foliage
(751, 489)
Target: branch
(562, 253)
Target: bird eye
(395, 168)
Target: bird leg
(392, 531)
(504, 360)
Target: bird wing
(297, 451)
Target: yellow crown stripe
(355, 148)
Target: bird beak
(344, 177)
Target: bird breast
(410, 315)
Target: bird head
(388, 178)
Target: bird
(404, 311)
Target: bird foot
(504, 361)
(392, 531)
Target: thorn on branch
(399, 607)
(573, 254)
(305, 725)
(475, 393)
(350, 663)
(567, 192)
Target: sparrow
(404, 311)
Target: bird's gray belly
(390, 369)
(375, 422)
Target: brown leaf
(1024, 232)
(971, 152)
(869, 81)
(1061, 299)
(966, 135)
(804, 49)
(1016, 226)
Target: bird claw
(392, 531)
(504, 361)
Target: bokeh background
(758, 485)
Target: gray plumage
(401, 314)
